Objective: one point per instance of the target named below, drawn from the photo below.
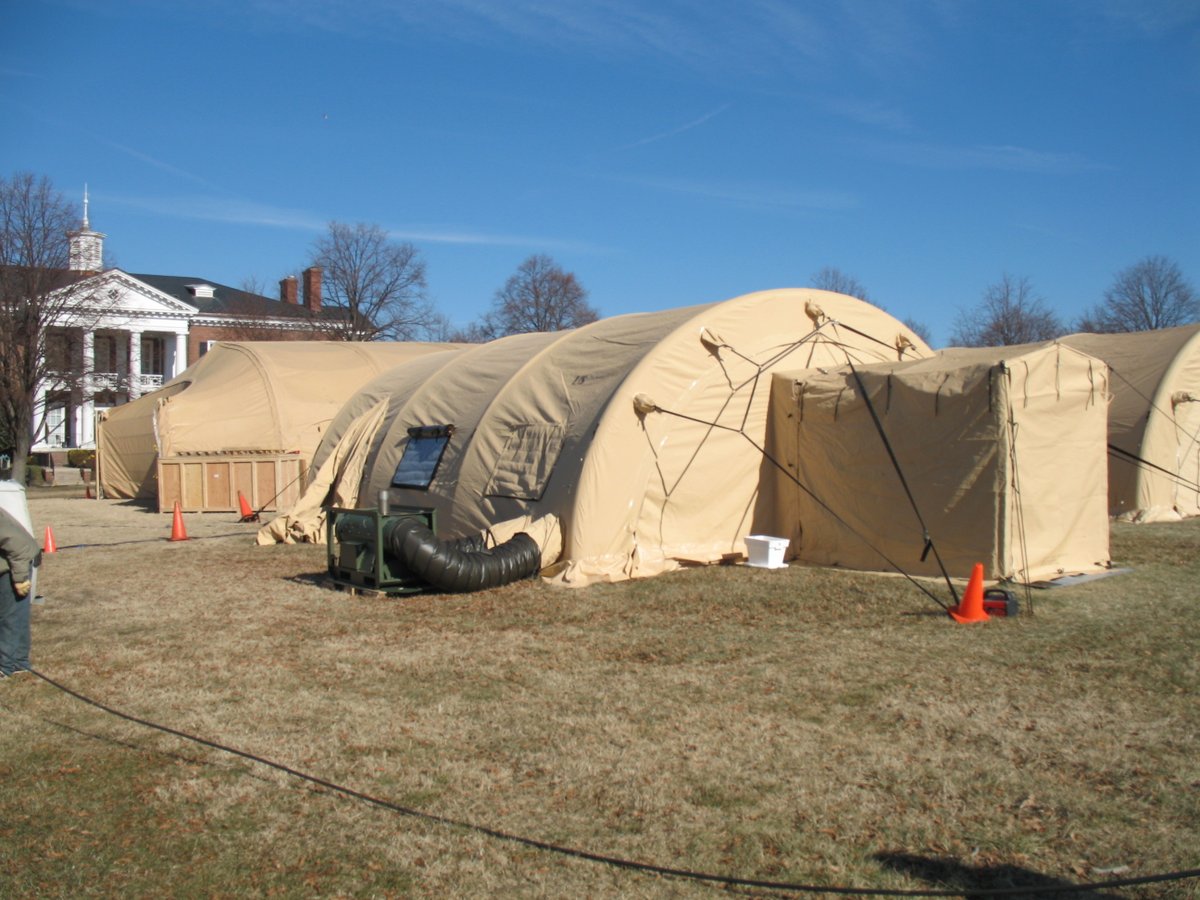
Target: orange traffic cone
(970, 609)
(248, 515)
(48, 545)
(178, 532)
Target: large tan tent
(1154, 421)
(1001, 449)
(637, 438)
(262, 402)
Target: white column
(89, 360)
(135, 364)
(179, 363)
(85, 413)
(85, 433)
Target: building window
(58, 432)
(422, 454)
(58, 351)
(153, 356)
(105, 354)
(105, 400)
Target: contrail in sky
(695, 123)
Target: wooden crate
(211, 483)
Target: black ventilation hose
(462, 565)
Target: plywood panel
(243, 482)
(218, 486)
(193, 486)
(265, 489)
(292, 478)
(170, 486)
(211, 484)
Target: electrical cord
(202, 537)
(617, 862)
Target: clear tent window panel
(422, 454)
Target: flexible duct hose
(463, 565)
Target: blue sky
(668, 153)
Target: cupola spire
(87, 246)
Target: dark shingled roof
(228, 301)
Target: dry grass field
(799, 725)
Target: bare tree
(539, 296)
(919, 328)
(442, 329)
(252, 284)
(831, 279)
(1149, 294)
(41, 303)
(377, 283)
(1008, 313)
(253, 316)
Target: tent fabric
(240, 397)
(547, 424)
(305, 522)
(127, 445)
(1154, 422)
(1002, 449)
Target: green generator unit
(355, 552)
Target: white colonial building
(135, 340)
(129, 334)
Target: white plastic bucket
(766, 552)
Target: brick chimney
(312, 288)
(287, 290)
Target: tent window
(527, 462)
(422, 454)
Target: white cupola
(87, 246)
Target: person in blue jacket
(19, 553)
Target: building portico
(116, 336)
(128, 339)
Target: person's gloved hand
(21, 588)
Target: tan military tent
(252, 398)
(638, 436)
(1154, 421)
(1002, 450)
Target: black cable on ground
(617, 862)
(201, 537)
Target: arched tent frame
(1154, 422)
(247, 397)
(549, 425)
(693, 494)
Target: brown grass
(800, 725)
